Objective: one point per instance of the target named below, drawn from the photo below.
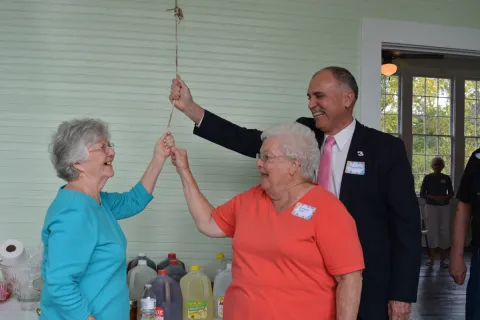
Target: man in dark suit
(366, 169)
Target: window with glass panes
(389, 121)
(472, 117)
(431, 125)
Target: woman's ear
(294, 167)
(78, 166)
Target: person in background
(468, 211)
(437, 190)
(84, 259)
(296, 252)
(368, 170)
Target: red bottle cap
(172, 255)
(162, 272)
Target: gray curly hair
(70, 144)
(437, 160)
(299, 143)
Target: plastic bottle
(141, 256)
(216, 266)
(222, 281)
(148, 303)
(175, 271)
(169, 297)
(197, 295)
(164, 263)
(138, 277)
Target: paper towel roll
(12, 253)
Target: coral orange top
(284, 263)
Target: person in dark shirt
(468, 207)
(437, 189)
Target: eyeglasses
(266, 157)
(104, 147)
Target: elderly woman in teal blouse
(84, 258)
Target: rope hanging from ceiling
(178, 13)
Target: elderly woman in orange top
(296, 253)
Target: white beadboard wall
(247, 60)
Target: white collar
(345, 135)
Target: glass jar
(21, 279)
(133, 309)
(5, 290)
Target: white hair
(70, 144)
(436, 160)
(299, 143)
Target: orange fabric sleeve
(337, 238)
(224, 215)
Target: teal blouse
(84, 259)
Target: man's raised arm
(212, 127)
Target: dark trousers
(472, 306)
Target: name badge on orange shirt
(303, 211)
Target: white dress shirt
(339, 156)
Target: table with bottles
(175, 270)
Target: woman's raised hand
(179, 159)
(164, 145)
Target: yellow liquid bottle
(197, 295)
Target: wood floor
(439, 297)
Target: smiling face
(276, 170)
(99, 162)
(330, 102)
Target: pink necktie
(326, 163)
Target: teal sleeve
(71, 241)
(127, 204)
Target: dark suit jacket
(382, 202)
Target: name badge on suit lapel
(355, 167)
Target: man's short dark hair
(343, 76)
